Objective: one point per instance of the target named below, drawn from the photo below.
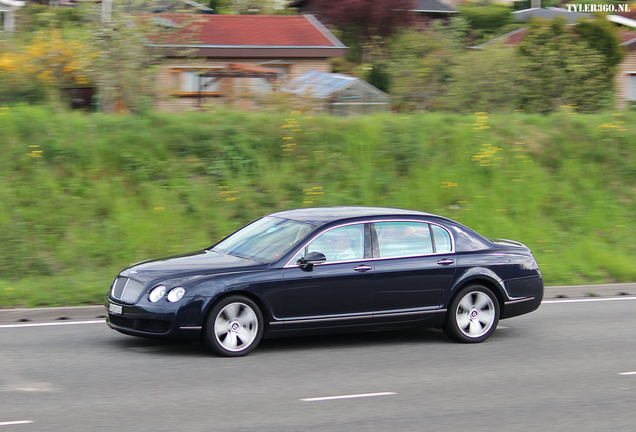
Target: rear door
(414, 265)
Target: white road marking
(31, 387)
(12, 423)
(627, 373)
(353, 396)
(47, 308)
(101, 321)
(586, 300)
(49, 324)
(26, 389)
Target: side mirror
(307, 262)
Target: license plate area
(115, 309)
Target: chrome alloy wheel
(236, 327)
(475, 314)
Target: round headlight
(176, 294)
(156, 293)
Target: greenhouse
(341, 95)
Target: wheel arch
(236, 292)
(467, 326)
(488, 282)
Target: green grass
(82, 196)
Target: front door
(338, 291)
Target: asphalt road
(565, 367)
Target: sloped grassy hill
(82, 196)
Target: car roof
(323, 215)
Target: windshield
(265, 240)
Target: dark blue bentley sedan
(316, 270)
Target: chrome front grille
(127, 290)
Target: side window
(442, 239)
(339, 244)
(397, 239)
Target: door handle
(445, 261)
(363, 268)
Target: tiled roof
(251, 68)
(631, 14)
(515, 38)
(549, 13)
(431, 6)
(512, 38)
(626, 35)
(253, 30)
(627, 38)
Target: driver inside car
(342, 247)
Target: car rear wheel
(473, 315)
(234, 327)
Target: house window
(281, 68)
(631, 87)
(259, 86)
(189, 82)
(282, 72)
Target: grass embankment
(83, 196)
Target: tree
(126, 61)
(561, 70)
(44, 65)
(486, 17)
(378, 78)
(360, 20)
(216, 5)
(600, 35)
(485, 80)
(418, 63)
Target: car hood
(203, 262)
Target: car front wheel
(473, 315)
(234, 327)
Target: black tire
(472, 315)
(234, 327)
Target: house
(7, 14)
(625, 79)
(339, 94)
(216, 59)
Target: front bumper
(179, 321)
